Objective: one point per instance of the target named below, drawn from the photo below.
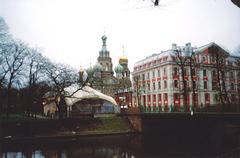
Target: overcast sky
(69, 31)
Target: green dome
(90, 70)
(118, 68)
(98, 67)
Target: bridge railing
(233, 108)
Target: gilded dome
(118, 68)
(123, 59)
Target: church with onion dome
(105, 81)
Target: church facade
(105, 81)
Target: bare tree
(4, 40)
(14, 61)
(157, 2)
(236, 2)
(237, 62)
(193, 65)
(4, 33)
(138, 93)
(3, 70)
(219, 56)
(34, 67)
(182, 61)
(61, 76)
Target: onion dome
(118, 68)
(90, 70)
(123, 59)
(98, 67)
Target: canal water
(148, 145)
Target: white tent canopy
(85, 93)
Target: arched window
(107, 67)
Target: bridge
(165, 122)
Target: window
(204, 72)
(144, 100)
(149, 99)
(194, 85)
(159, 99)
(154, 99)
(165, 97)
(143, 77)
(187, 84)
(164, 71)
(232, 86)
(207, 97)
(148, 86)
(213, 60)
(186, 72)
(205, 84)
(176, 97)
(203, 59)
(175, 83)
(231, 75)
(214, 73)
(193, 72)
(159, 73)
(175, 71)
(159, 85)
(195, 99)
(165, 84)
(144, 87)
(216, 98)
(148, 76)
(214, 85)
(233, 98)
(154, 86)
(153, 74)
(165, 58)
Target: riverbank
(30, 129)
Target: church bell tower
(104, 59)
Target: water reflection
(127, 146)
(86, 152)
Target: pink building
(159, 83)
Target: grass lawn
(13, 116)
(20, 126)
(110, 124)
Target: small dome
(118, 68)
(98, 67)
(90, 70)
(123, 59)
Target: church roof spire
(104, 52)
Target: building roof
(209, 45)
(155, 57)
(204, 47)
(185, 52)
